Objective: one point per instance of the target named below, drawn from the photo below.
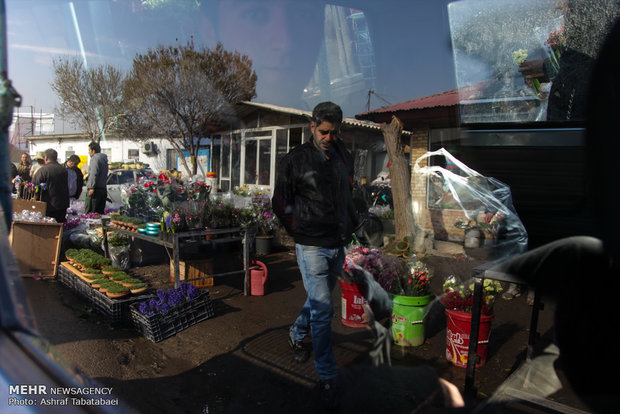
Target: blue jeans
(320, 268)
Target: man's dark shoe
(300, 352)
(330, 397)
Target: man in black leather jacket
(312, 199)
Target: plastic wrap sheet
(486, 203)
(119, 255)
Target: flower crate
(159, 327)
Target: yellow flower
(519, 56)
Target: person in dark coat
(312, 200)
(52, 177)
(72, 164)
(23, 170)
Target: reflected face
(324, 134)
(281, 37)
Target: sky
(408, 40)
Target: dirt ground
(239, 359)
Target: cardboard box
(36, 247)
(20, 204)
(191, 269)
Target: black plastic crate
(117, 309)
(159, 327)
(66, 277)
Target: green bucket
(408, 319)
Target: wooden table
(177, 240)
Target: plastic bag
(119, 255)
(485, 202)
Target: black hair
(51, 154)
(74, 158)
(94, 146)
(327, 111)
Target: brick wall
(437, 221)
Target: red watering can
(258, 277)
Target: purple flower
(192, 292)
(163, 308)
(143, 307)
(161, 295)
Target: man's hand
(532, 69)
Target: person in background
(75, 173)
(39, 162)
(55, 192)
(96, 180)
(23, 169)
(312, 200)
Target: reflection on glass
(264, 163)
(226, 156)
(235, 160)
(526, 61)
(250, 162)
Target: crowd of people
(57, 184)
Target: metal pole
(9, 98)
(472, 355)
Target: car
(121, 179)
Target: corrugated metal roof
(308, 114)
(442, 99)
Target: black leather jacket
(312, 196)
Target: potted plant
(458, 299)
(266, 222)
(108, 270)
(479, 224)
(116, 291)
(138, 288)
(412, 294)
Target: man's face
(324, 134)
(91, 152)
(70, 164)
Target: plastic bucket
(211, 180)
(353, 301)
(457, 337)
(258, 278)
(408, 319)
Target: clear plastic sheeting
(485, 202)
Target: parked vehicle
(119, 179)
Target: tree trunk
(399, 177)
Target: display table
(177, 240)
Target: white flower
(519, 56)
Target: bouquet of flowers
(519, 57)
(415, 281)
(460, 296)
(198, 191)
(385, 269)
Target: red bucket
(457, 337)
(353, 301)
